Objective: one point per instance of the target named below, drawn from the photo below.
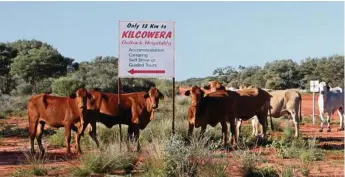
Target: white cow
(329, 101)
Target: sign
(314, 85)
(146, 49)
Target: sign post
(314, 87)
(147, 50)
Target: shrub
(109, 159)
(181, 160)
(248, 161)
(64, 86)
(58, 139)
(13, 106)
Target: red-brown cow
(214, 108)
(56, 111)
(136, 110)
(221, 105)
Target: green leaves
(284, 74)
(37, 61)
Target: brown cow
(243, 105)
(251, 102)
(214, 108)
(243, 96)
(56, 111)
(136, 110)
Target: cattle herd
(209, 105)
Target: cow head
(81, 96)
(212, 87)
(324, 88)
(153, 96)
(195, 94)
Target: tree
(7, 54)
(282, 74)
(36, 64)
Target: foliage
(65, 86)
(280, 74)
(7, 53)
(36, 61)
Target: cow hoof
(329, 130)
(320, 130)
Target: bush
(109, 159)
(64, 86)
(58, 139)
(181, 160)
(44, 86)
(248, 161)
(13, 106)
(22, 89)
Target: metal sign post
(314, 87)
(147, 50)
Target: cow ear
(160, 95)
(73, 95)
(105, 97)
(146, 95)
(187, 93)
(207, 87)
(89, 96)
(202, 93)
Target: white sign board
(314, 85)
(146, 49)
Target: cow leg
(129, 133)
(255, 126)
(190, 129)
(32, 134)
(234, 133)
(341, 117)
(295, 119)
(39, 133)
(136, 136)
(263, 121)
(225, 133)
(77, 136)
(68, 138)
(93, 133)
(238, 127)
(322, 120)
(202, 132)
(329, 121)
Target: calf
(329, 101)
(57, 112)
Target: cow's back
(248, 102)
(284, 99)
(52, 109)
(213, 109)
(337, 96)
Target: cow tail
(44, 100)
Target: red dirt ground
(12, 149)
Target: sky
(208, 34)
